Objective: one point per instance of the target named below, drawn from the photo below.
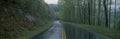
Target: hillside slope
(18, 16)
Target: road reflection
(55, 32)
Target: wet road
(74, 32)
(55, 32)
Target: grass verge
(29, 34)
(111, 33)
(63, 34)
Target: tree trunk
(106, 13)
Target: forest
(101, 16)
(103, 13)
(69, 19)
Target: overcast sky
(56, 2)
(51, 1)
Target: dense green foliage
(92, 12)
(19, 16)
(101, 16)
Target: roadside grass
(29, 34)
(63, 33)
(111, 33)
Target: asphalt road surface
(55, 32)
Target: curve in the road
(55, 32)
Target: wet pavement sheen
(55, 32)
